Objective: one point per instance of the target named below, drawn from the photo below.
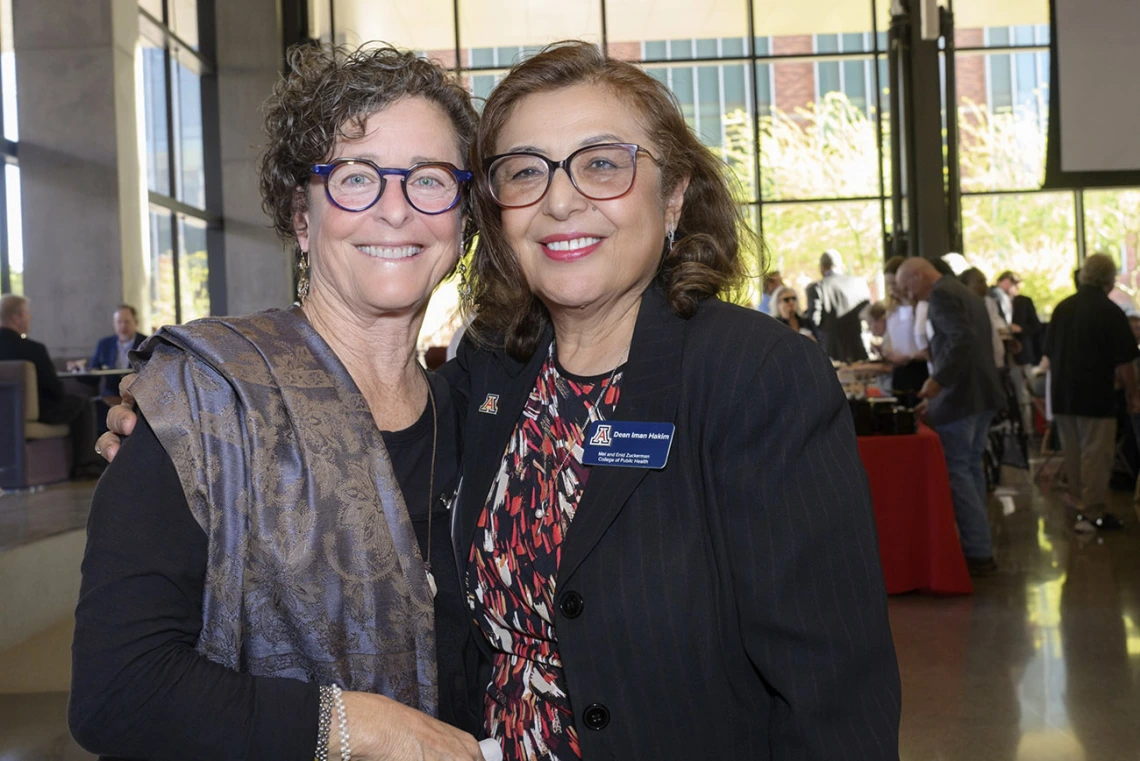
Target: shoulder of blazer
(720, 329)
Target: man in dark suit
(834, 304)
(962, 395)
(56, 406)
(111, 353)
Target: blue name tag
(625, 444)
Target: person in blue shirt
(111, 353)
(772, 282)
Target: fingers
(125, 385)
(121, 420)
(107, 446)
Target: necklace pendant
(431, 585)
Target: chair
(31, 453)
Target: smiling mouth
(572, 245)
(390, 252)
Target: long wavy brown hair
(330, 93)
(705, 260)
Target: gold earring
(302, 276)
(464, 286)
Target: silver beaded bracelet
(342, 718)
(324, 722)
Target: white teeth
(571, 245)
(390, 252)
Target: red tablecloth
(918, 540)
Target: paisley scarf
(313, 571)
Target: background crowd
(986, 373)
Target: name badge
(625, 444)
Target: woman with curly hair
(664, 529)
(261, 559)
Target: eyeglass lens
(600, 173)
(430, 188)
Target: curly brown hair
(330, 93)
(705, 260)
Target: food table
(910, 489)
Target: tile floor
(1042, 663)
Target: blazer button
(571, 604)
(596, 716)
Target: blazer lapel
(484, 462)
(650, 388)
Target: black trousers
(79, 414)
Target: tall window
(794, 98)
(11, 226)
(177, 162)
(1008, 222)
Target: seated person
(111, 354)
(56, 406)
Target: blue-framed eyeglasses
(599, 172)
(357, 184)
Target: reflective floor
(29, 516)
(1042, 663)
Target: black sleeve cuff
(284, 720)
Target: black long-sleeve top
(140, 690)
(15, 346)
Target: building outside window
(794, 98)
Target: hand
(380, 729)
(121, 421)
(930, 389)
(922, 408)
(1015, 328)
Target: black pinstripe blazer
(730, 605)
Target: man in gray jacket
(962, 396)
(834, 304)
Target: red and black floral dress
(514, 562)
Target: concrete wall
(258, 267)
(82, 188)
(69, 169)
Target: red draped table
(918, 539)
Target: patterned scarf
(313, 571)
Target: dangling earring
(303, 276)
(672, 232)
(464, 286)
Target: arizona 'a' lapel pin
(490, 404)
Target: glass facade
(794, 99)
(171, 67)
(11, 223)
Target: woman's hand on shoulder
(381, 729)
(121, 421)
